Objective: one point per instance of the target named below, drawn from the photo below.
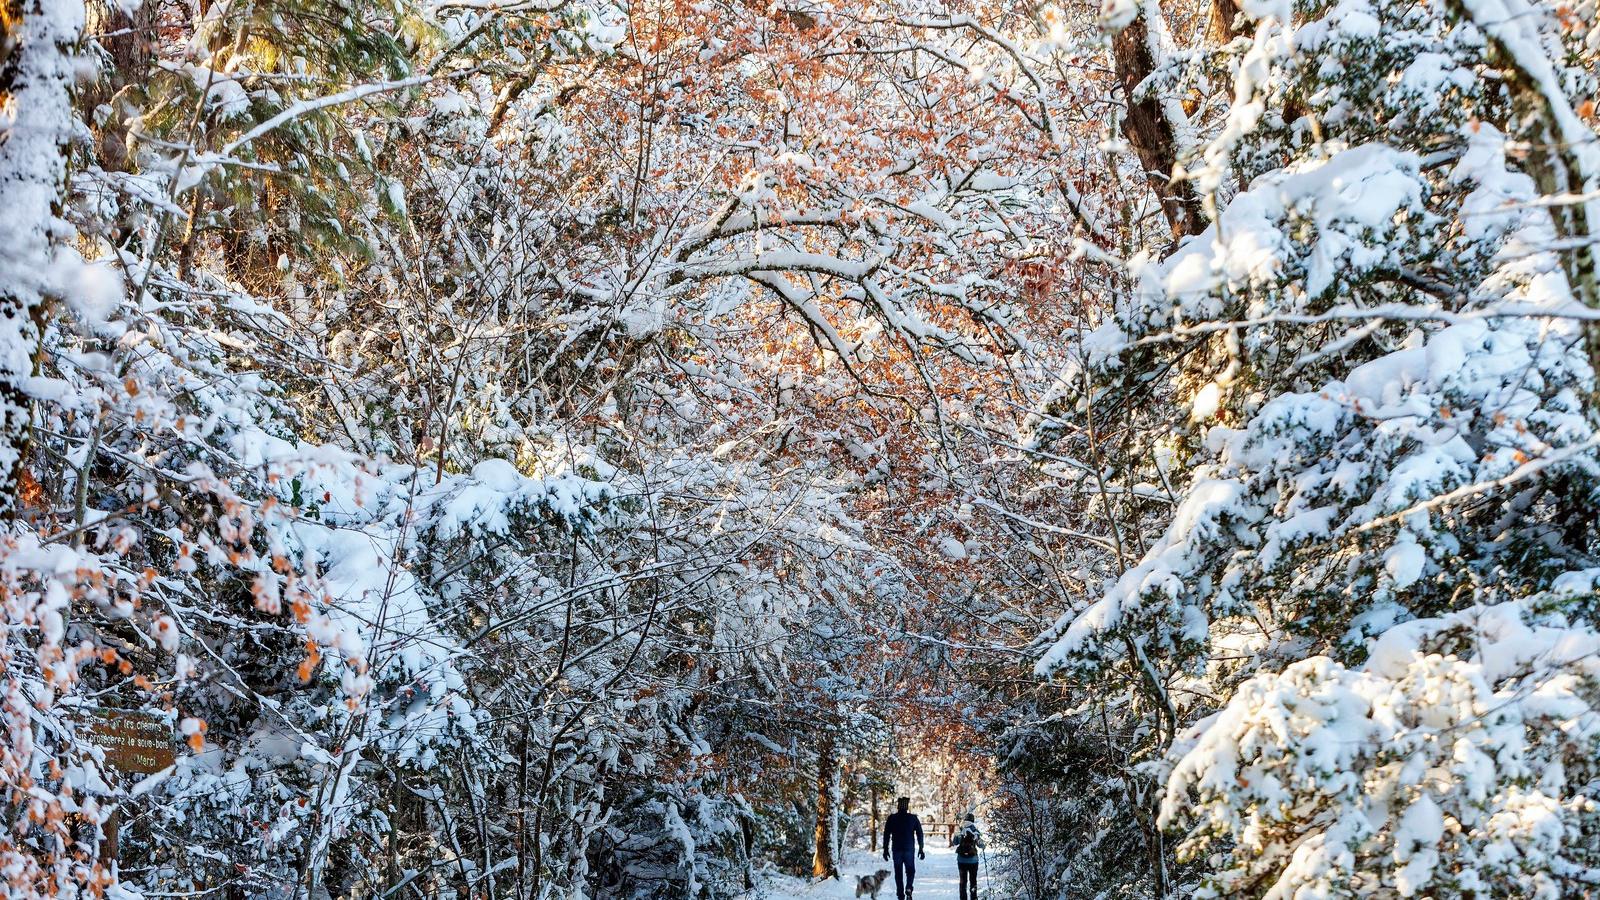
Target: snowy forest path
(936, 878)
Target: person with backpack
(898, 831)
(969, 844)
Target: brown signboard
(135, 743)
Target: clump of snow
(1115, 15)
(952, 548)
(92, 290)
(1207, 401)
(1405, 562)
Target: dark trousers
(905, 872)
(969, 875)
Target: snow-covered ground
(936, 878)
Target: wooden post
(110, 830)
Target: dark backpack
(968, 845)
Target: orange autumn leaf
(308, 666)
(29, 491)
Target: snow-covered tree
(1365, 633)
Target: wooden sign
(135, 743)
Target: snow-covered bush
(1460, 761)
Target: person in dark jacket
(968, 843)
(898, 831)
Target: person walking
(898, 831)
(969, 844)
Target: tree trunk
(841, 814)
(1150, 125)
(875, 825)
(748, 843)
(823, 864)
(1220, 24)
(1149, 129)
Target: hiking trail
(936, 878)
